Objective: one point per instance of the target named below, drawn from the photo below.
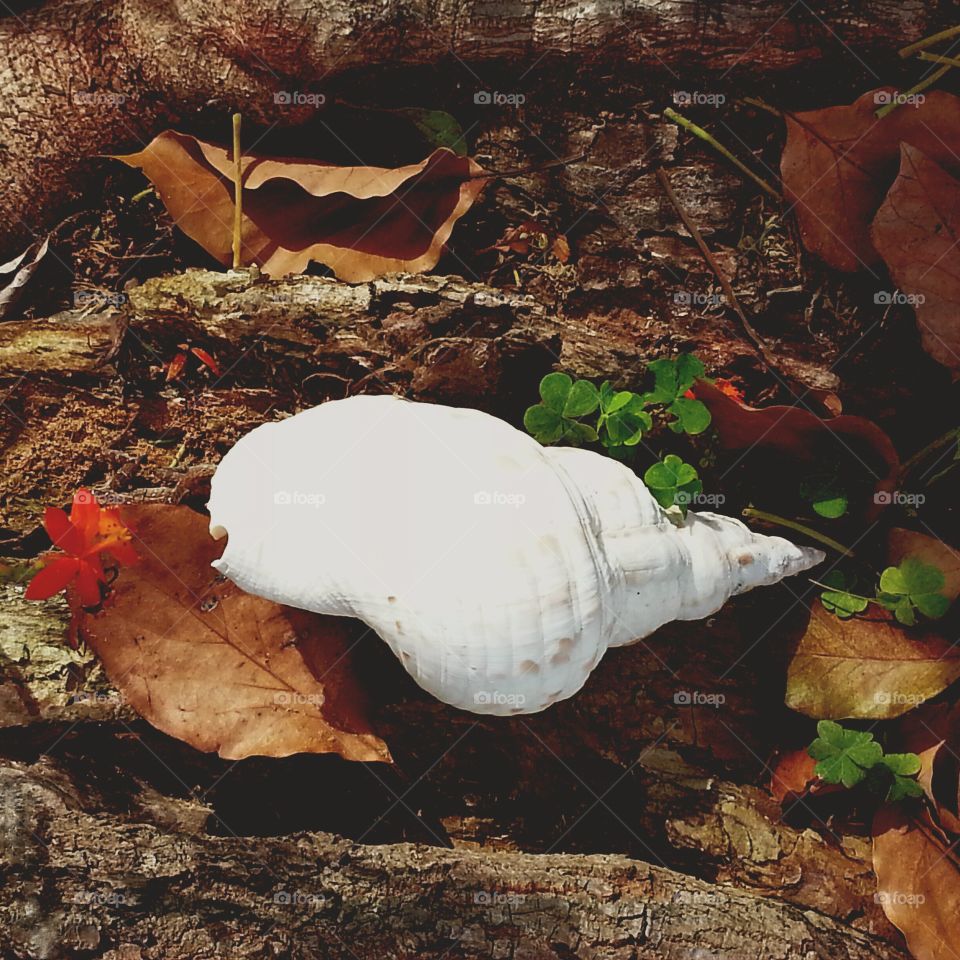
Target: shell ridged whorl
(497, 570)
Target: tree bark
(92, 77)
(78, 879)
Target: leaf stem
(928, 41)
(799, 528)
(690, 126)
(916, 88)
(237, 192)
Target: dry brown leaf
(839, 162)
(869, 669)
(801, 437)
(223, 670)
(916, 231)
(918, 882)
(362, 222)
(792, 775)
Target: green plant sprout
(904, 590)
(623, 417)
(850, 757)
(825, 495)
(673, 482)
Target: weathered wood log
(89, 78)
(78, 878)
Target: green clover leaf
(844, 755)
(913, 585)
(673, 482)
(840, 601)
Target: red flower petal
(62, 532)
(88, 583)
(206, 359)
(85, 515)
(123, 552)
(52, 578)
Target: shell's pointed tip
(810, 557)
(217, 531)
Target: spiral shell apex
(497, 570)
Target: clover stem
(690, 126)
(799, 528)
(928, 41)
(856, 596)
(237, 192)
(917, 87)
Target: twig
(799, 528)
(694, 232)
(689, 125)
(237, 192)
(762, 105)
(929, 41)
(917, 87)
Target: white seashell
(498, 571)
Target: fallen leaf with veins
(802, 437)
(362, 222)
(918, 881)
(869, 669)
(838, 163)
(218, 668)
(792, 775)
(933, 733)
(916, 231)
